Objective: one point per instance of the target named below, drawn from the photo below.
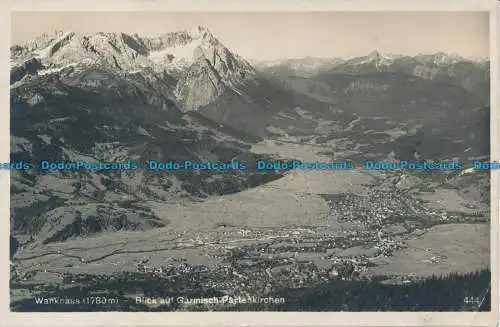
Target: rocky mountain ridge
(105, 97)
(469, 73)
(202, 66)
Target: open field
(443, 249)
(449, 200)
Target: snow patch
(466, 171)
(142, 131)
(45, 138)
(236, 90)
(57, 69)
(45, 52)
(20, 144)
(284, 115)
(175, 56)
(35, 99)
(303, 113)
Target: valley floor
(293, 232)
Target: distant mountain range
(427, 66)
(304, 67)
(184, 95)
(432, 94)
(472, 75)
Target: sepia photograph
(229, 161)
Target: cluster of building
(373, 210)
(280, 257)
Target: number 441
(471, 300)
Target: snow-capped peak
(441, 58)
(182, 48)
(199, 32)
(382, 57)
(374, 55)
(194, 57)
(173, 50)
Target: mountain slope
(471, 75)
(302, 67)
(437, 67)
(92, 98)
(405, 105)
(192, 69)
(407, 114)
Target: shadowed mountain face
(266, 104)
(192, 69)
(470, 75)
(59, 117)
(473, 76)
(303, 67)
(114, 97)
(435, 105)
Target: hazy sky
(276, 35)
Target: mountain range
(428, 94)
(185, 95)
